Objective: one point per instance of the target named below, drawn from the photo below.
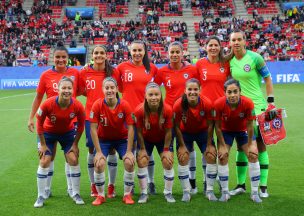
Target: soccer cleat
(77, 199)
(111, 191)
(143, 198)
(255, 197)
(263, 192)
(169, 197)
(210, 196)
(186, 196)
(99, 200)
(39, 202)
(94, 192)
(127, 199)
(70, 192)
(47, 193)
(239, 189)
(151, 188)
(193, 191)
(225, 196)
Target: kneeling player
(154, 125)
(234, 116)
(112, 128)
(55, 123)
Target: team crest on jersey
(222, 70)
(247, 68)
(241, 115)
(202, 113)
(277, 123)
(53, 118)
(39, 112)
(120, 115)
(186, 76)
(72, 115)
(91, 114)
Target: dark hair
(111, 79)
(185, 103)
(61, 48)
(108, 66)
(147, 110)
(146, 61)
(176, 43)
(231, 82)
(221, 54)
(238, 31)
(65, 79)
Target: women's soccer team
(219, 95)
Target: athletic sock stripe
(238, 163)
(90, 165)
(68, 175)
(76, 175)
(255, 178)
(168, 178)
(223, 178)
(41, 176)
(264, 166)
(50, 173)
(192, 168)
(183, 177)
(204, 166)
(212, 176)
(151, 163)
(129, 183)
(99, 184)
(141, 176)
(112, 164)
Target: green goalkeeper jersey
(248, 72)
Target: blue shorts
(119, 145)
(240, 137)
(66, 141)
(89, 141)
(159, 146)
(200, 138)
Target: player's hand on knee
(75, 150)
(42, 151)
(142, 158)
(253, 153)
(183, 155)
(99, 160)
(167, 159)
(210, 154)
(129, 158)
(222, 153)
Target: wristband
(270, 99)
(166, 149)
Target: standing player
(135, 75)
(112, 127)
(154, 128)
(193, 122)
(55, 123)
(48, 85)
(213, 72)
(234, 116)
(249, 69)
(174, 76)
(90, 85)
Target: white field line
(18, 95)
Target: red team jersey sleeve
(133, 81)
(51, 118)
(174, 81)
(212, 78)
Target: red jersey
(154, 132)
(133, 82)
(90, 84)
(112, 124)
(212, 78)
(195, 119)
(49, 81)
(174, 81)
(234, 120)
(52, 118)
